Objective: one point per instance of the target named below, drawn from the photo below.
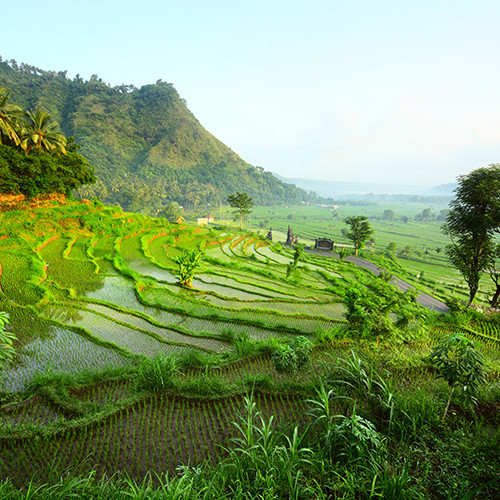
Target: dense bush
(41, 172)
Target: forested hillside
(147, 148)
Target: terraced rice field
(112, 298)
(86, 301)
(156, 433)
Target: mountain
(360, 190)
(147, 148)
(444, 189)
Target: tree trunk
(472, 294)
(496, 296)
(495, 278)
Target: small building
(202, 221)
(270, 234)
(180, 220)
(323, 244)
(289, 237)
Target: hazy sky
(375, 91)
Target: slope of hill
(146, 146)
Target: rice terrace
(119, 369)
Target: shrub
(460, 365)
(292, 358)
(187, 263)
(7, 352)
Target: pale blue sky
(380, 91)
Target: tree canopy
(242, 204)
(34, 157)
(8, 119)
(359, 232)
(39, 172)
(40, 132)
(473, 219)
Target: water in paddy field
(58, 351)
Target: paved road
(423, 298)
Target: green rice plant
(327, 337)
(172, 334)
(127, 338)
(18, 273)
(158, 373)
(69, 246)
(391, 484)
(69, 274)
(60, 351)
(184, 417)
(102, 247)
(204, 384)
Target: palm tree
(8, 119)
(39, 132)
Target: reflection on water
(118, 290)
(60, 351)
(61, 314)
(148, 269)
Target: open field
(419, 245)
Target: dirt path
(423, 298)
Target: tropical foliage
(187, 264)
(460, 364)
(92, 293)
(242, 204)
(7, 352)
(472, 221)
(148, 149)
(34, 157)
(42, 172)
(40, 132)
(359, 231)
(8, 117)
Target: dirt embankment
(10, 202)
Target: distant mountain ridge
(342, 190)
(146, 146)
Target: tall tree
(9, 113)
(40, 132)
(359, 232)
(242, 204)
(472, 220)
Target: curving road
(423, 298)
